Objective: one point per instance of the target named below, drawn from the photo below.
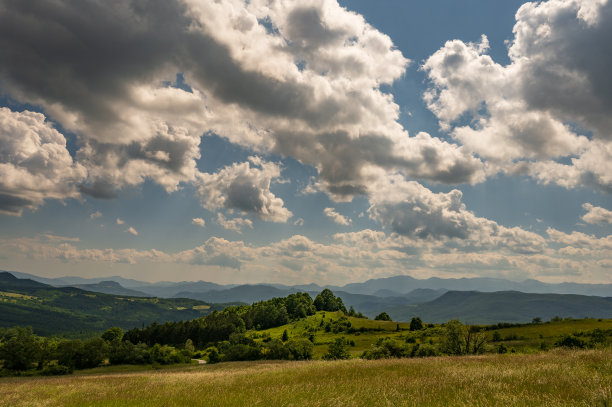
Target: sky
(306, 141)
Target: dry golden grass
(558, 378)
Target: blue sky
(312, 141)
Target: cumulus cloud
(336, 217)
(95, 215)
(349, 257)
(34, 163)
(132, 231)
(199, 222)
(596, 215)
(120, 221)
(235, 224)
(244, 187)
(409, 209)
(300, 79)
(520, 114)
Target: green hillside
(504, 306)
(363, 334)
(75, 312)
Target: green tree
(383, 316)
(459, 339)
(275, 350)
(285, 336)
(337, 350)
(21, 350)
(327, 301)
(213, 355)
(299, 349)
(111, 334)
(416, 324)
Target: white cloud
(34, 163)
(199, 222)
(244, 187)
(299, 222)
(354, 256)
(235, 224)
(336, 217)
(596, 215)
(120, 221)
(580, 240)
(306, 84)
(520, 112)
(409, 209)
(95, 215)
(132, 231)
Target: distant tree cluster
(22, 351)
(327, 301)
(219, 325)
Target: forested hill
(504, 306)
(72, 311)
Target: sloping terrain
(67, 310)
(505, 306)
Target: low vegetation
(560, 377)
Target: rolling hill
(72, 311)
(505, 306)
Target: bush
(416, 324)
(337, 350)
(424, 350)
(570, 341)
(213, 355)
(53, 369)
(383, 316)
(300, 349)
(384, 349)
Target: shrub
(570, 341)
(337, 350)
(54, 369)
(416, 324)
(383, 316)
(300, 349)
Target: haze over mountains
(381, 287)
(477, 300)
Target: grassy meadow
(527, 338)
(555, 378)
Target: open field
(557, 378)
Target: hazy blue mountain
(73, 280)
(405, 284)
(243, 293)
(504, 306)
(381, 287)
(111, 287)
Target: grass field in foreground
(556, 378)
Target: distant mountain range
(473, 300)
(381, 287)
(504, 306)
